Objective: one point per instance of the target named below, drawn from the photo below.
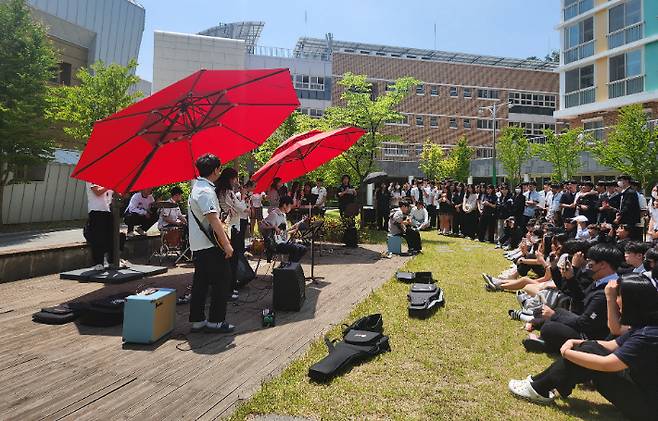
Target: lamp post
(493, 109)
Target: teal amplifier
(149, 317)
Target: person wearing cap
(629, 209)
(570, 228)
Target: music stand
(312, 232)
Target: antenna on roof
(435, 35)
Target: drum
(172, 237)
(258, 246)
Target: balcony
(578, 52)
(581, 97)
(577, 8)
(628, 86)
(626, 35)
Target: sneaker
(124, 263)
(489, 281)
(221, 327)
(199, 326)
(523, 389)
(99, 267)
(534, 345)
(140, 231)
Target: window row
(453, 122)
(314, 83)
(313, 112)
(532, 99)
(533, 129)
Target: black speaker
(351, 237)
(289, 290)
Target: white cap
(580, 218)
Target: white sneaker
(99, 267)
(124, 263)
(140, 231)
(523, 389)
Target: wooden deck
(77, 372)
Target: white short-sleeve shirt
(203, 201)
(98, 203)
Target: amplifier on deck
(289, 287)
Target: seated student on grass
(623, 370)
(561, 325)
(277, 223)
(420, 219)
(400, 224)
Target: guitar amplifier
(289, 290)
(147, 318)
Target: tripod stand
(312, 231)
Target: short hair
(651, 254)
(175, 190)
(636, 247)
(625, 177)
(606, 253)
(640, 300)
(207, 163)
(285, 200)
(405, 203)
(588, 184)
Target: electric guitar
(283, 236)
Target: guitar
(282, 237)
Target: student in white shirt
(139, 212)
(415, 192)
(420, 217)
(277, 223)
(321, 192)
(172, 216)
(99, 227)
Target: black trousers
(237, 242)
(468, 223)
(431, 212)
(413, 239)
(294, 251)
(146, 222)
(487, 228)
(100, 235)
(555, 334)
(618, 388)
(382, 218)
(211, 270)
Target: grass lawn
(454, 365)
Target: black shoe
(534, 345)
(222, 327)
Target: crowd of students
(585, 273)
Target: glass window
(616, 18)
(453, 123)
(467, 93)
(572, 80)
(633, 12)
(467, 123)
(594, 128)
(453, 91)
(420, 89)
(434, 121)
(434, 90)
(633, 63)
(419, 120)
(587, 77)
(617, 67)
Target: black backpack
(103, 312)
(361, 340)
(424, 299)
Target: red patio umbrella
(157, 140)
(306, 155)
(294, 139)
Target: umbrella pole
(116, 229)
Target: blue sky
(512, 28)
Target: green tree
(432, 160)
(27, 63)
(562, 151)
(631, 147)
(363, 109)
(513, 149)
(103, 91)
(461, 154)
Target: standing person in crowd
(415, 191)
(321, 193)
(400, 224)
(382, 206)
(469, 215)
(396, 195)
(307, 201)
(346, 194)
(624, 370)
(446, 211)
(172, 217)
(531, 203)
(629, 208)
(295, 194)
(139, 212)
(458, 201)
(100, 225)
(652, 231)
(568, 201)
(256, 211)
(543, 195)
(273, 195)
(504, 202)
(488, 218)
(234, 208)
(430, 197)
(553, 212)
(609, 204)
(244, 194)
(586, 205)
(211, 267)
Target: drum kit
(174, 241)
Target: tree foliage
(631, 147)
(27, 63)
(436, 165)
(513, 150)
(103, 91)
(363, 109)
(432, 159)
(461, 154)
(562, 151)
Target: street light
(493, 109)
